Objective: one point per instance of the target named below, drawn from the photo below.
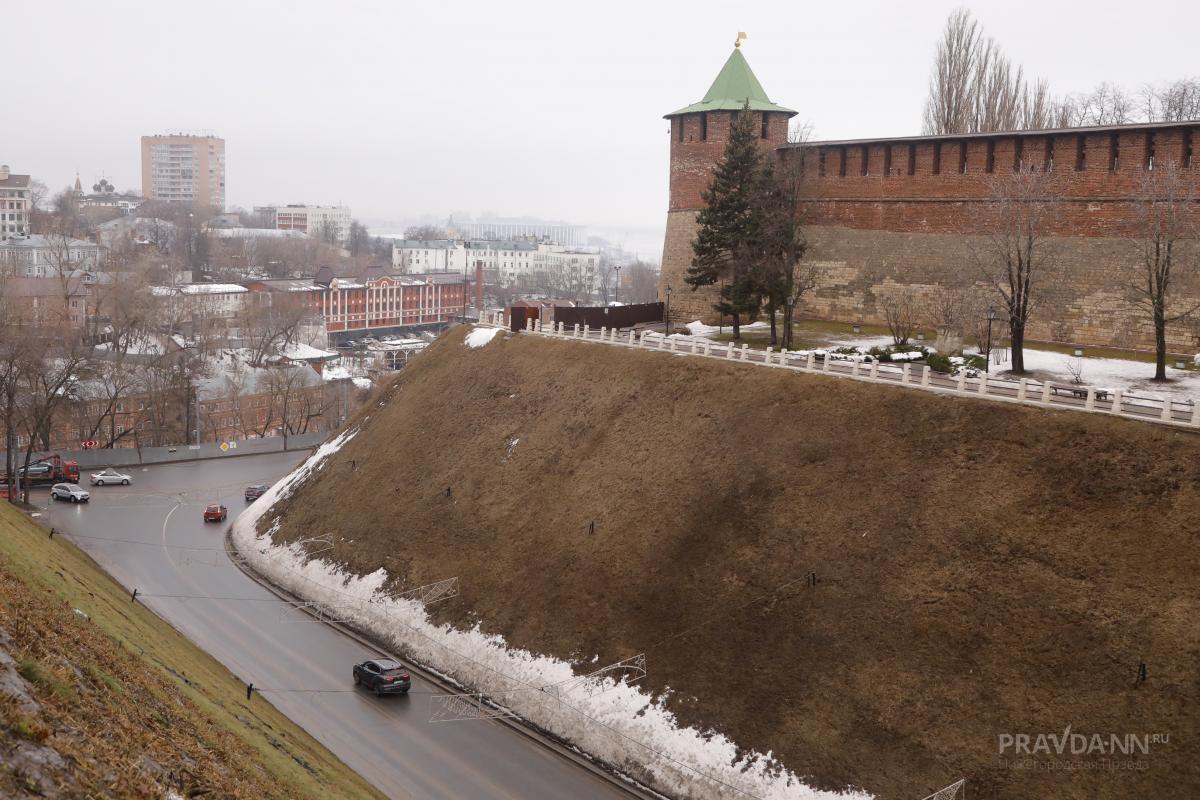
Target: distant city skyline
(542, 113)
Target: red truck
(51, 469)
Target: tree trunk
(737, 325)
(1160, 345)
(1017, 334)
(771, 314)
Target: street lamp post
(617, 288)
(667, 311)
(991, 317)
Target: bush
(940, 363)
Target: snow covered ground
(614, 721)
(480, 336)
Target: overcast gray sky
(552, 109)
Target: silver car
(69, 491)
(110, 475)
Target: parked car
(382, 676)
(215, 512)
(256, 491)
(110, 475)
(69, 491)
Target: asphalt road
(389, 740)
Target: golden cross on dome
(738, 41)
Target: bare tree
(639, 283)
(903, 315)
(1164, 240)
(975, 87)
(1017, 258)
(1176, 101)
(271, 324)
(1107, 104)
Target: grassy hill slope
(114, 702)
(980, 569)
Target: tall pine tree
(730, 224)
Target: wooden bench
(1080, 391)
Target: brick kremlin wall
(889, 214)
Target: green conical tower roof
(734, 87)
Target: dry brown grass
(132, 707)
(981, 568)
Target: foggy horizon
(409, 113)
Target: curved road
(389, 741)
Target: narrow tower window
(962, 157)
(1114, 152)
(821, 162)
(1048, 163)
(1149, 163)
(1188, 147)
(1080, 152)
(1018, 153)
(679, 123)
(703, 127)
(887, 160)
(841, 162)
(990, 166)
(766, 123)
(865, 160)
(937, 158)
(912, 158)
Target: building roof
(37, 241)
(735, 88)
(44, 287)
(954, 137)
(15, 182)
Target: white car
(69, 491)
(110, 475)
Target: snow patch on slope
(478, 337)
(615, 721)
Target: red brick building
(910, 212)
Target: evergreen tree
(730, 224)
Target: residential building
(16, 203)
(562, 233)
(331, 223)
(533, 265)
(214, 307)
(184, 169)
(40, 256)
(50, 301)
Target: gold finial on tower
(738, 41)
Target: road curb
(544, 738)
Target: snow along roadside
(614, 722)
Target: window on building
(1048, 162)
(1114, 152)
(864, 160)
(1188, 147)
(937, 158)
(1018, 153)
(679, 128)
(1080, 152)
(1150, 142)
(841, 162)
(912, 158)
(990, 165)
(766, 125)
(887, 160)
(962, 157)
(821, 162)
(704, 127)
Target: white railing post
(825, 362)
(632, 337)
(603, 333)
(962, 380)
(1166, 413)
(904, 370)
(729, 350)
(1195, 413)
(853, 369)
(575, 330)
(642, 342)
(1022, 390)
(874, 369)
(585, 330)
(783, 354)
(1046, 392)
(925, 375)
(1116, 402)
(1090, 402)
(808, 362)
(529, 324)
(672, 342)
(707, 347)
(742, 355)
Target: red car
(215, 513)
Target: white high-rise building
(16, 202)
(331, 223)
